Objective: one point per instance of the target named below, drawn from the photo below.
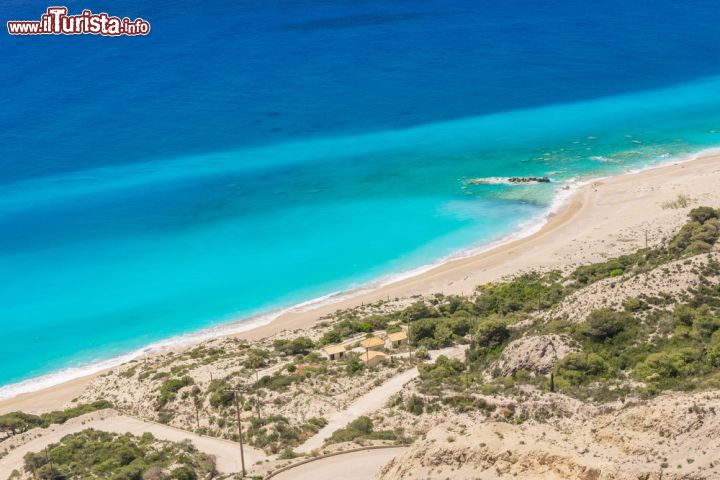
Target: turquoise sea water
(230, 184)
(193, 242)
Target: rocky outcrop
(536, 354)
(673, 437)
(507, 180)
(529, 180)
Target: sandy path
(227, 453)
(605, 218)
(375, 399)
(350, 466)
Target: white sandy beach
(602, 219)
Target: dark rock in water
(529, 180)
(506, 181)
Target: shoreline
(536, 246)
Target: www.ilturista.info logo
(56, 21)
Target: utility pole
(197, 402)
(407, 334)
(257, 408)
(240, 434)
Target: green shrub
(361, 428)
(219, 394)
(666, 364)
(173, 385)
(256, 358)
(332, 336)
(296, 346)
(468, 403)
(699, 234)
(415, 405)
(605, 324)
(705, 324)
(587, 274)
(364, 327)
(703, 214)
(170, 387)
(713, 355)
(634, 304)
(274, 433)
(184, 473)
(418, 310)
(525, 293)
(102, 455)
(221, 398)
(443, 368)
(277, 381)
(581, 368)
(354, 366)
(439, 332)
(491, 333)
(488, 339)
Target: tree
(605, 323)
(487, 337)
(418, 310)
(333, 336)
(491, 333)
(422, 329)
(18, 422)
(296, 346)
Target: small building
(372, 343)
(373, 358)
(398, 339)
(334, 352)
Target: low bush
(361, 428)
(102, 455)
(275, 433)
(169, 389)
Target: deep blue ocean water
(250, 155)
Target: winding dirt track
(349, 466)
(371, 401)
